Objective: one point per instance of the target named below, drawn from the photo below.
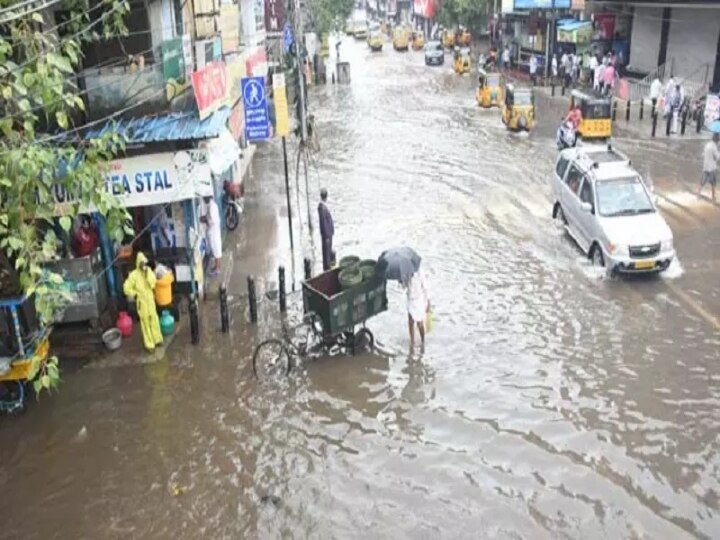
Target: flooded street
(549, 402)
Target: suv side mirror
(586, 207)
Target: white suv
(609, 211)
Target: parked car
(434, 53)
(609, 211)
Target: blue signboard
(541, 4)
(287, 36)
(257, 121)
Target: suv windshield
(623, 197)
(434, 46)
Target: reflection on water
(547, 404)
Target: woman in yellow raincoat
(140, 285)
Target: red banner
(425, 8)
(210, 88)
(603, 25)
(274, 16)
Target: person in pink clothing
(609, 78)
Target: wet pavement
(549, 402)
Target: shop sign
(236, 122)
(235, 70)
(425, 8)
(507, 6)
(210, 88)
(282, 121)
(151, 179)
(274, 16)
(577, 5)
(230, 27)
(256, 62)
(173, 59)
(257, 120)
(542, 4)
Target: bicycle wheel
(271, 360)
(232, 217)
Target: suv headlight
(619, 250)
(666, 245)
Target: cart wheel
(12, 401)
(271, 360)
(363, 340)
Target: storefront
(611, 33)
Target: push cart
(331, 318)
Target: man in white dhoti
(418, 305)
(210, 216)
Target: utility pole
(301, 69)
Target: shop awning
(181, 126)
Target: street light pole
(301, 69)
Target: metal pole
(194, 321)
(307, 191)
(307, 264)
(654, 122)
(252, 299)
(301, 69)
(642, 105)
(281, 289)
(627, 111)
(224, 318)
(287, 194)
(684, 122)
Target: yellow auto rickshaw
(463, 38)
(401, 38)
(596, 112)
(490, 89)
(24, 347)
(418, 41)
(461, 62)
(519, 109)
(375, 40)
(448, 39)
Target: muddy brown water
(548, 403)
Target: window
(586, 193)
(574, 179)
(561, 167)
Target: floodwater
(548, 403)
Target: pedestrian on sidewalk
(566, 62)
(655, 93)
(533, 69)
(598, 83)
(506, 57)
(675, 104)
(140, 286)
(327, 229)
(711, 156)
(554, 67)
(575, 69)
(418, 306)
(593, 65)
(609, 78)
(210, 217)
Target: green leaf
(66, 223)
(45, 380)
(37, 386)
(38, 18)
(60, 62)
(53, 370)
(79, 103)
(19, 262)
(6, 92)
(62, 119)
(55, 278)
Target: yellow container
(163, 290)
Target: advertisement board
(542, 4)
(274, 16)
(712, 108)
(425, 8)
(210, 87)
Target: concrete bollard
(683, 122)
(614, 111)
(194, 321)
(668, 125)
(552, 88)
(642, 108)
(627, 112)
(282, 295)
(307, 266)
(654, 122)
(562, 91)
(699, 122)
(224, 318)
(252, 299)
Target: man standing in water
(327, 229)
(418, 306)
(711, 156)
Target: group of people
(599, 71)
(673, 98)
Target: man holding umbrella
(403, 265)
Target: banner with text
(210, 86)
(274, 16)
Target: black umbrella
(398, 264)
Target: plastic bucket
(350, 277)
(348, 261)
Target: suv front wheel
(596, 256)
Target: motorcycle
(566, 136)
(232, 205)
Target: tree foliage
(40, 149)
(330, 15)
(470, 13)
